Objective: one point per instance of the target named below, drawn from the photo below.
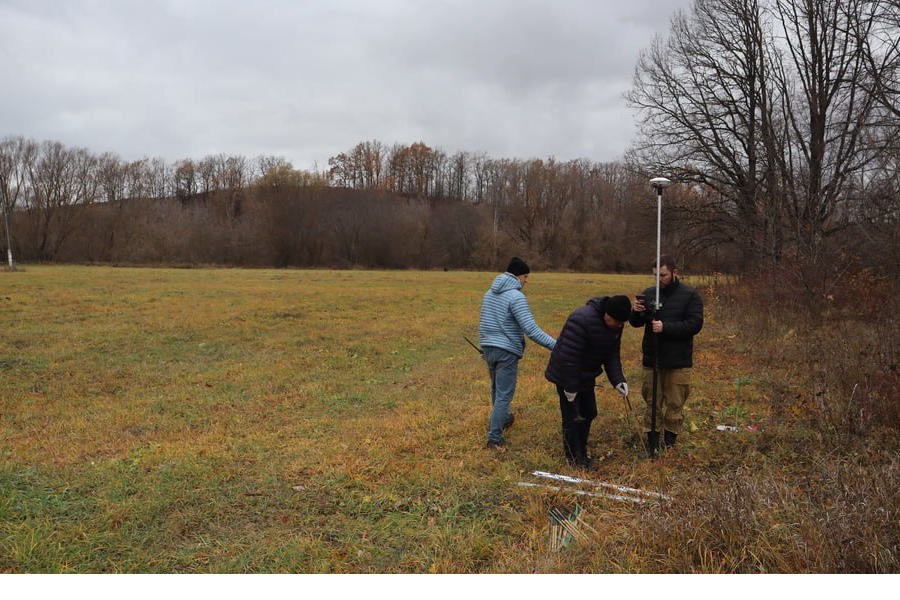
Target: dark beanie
(618, 307)
(517, 267)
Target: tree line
(777, 121)
(70, 205)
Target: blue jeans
(503, 367)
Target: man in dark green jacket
(671, 327)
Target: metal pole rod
(658, 237)
(9, 254)
(623, 498)
(651, 449)
(619, 488)
(659, 183)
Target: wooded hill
(68, 205)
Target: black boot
(670, 439)
(652, 444)
(583, 461)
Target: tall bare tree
(16, 153)
(62, 182)
(160, 180)
(705, 98)
(186, 180)
(834, 124)
(772, 101)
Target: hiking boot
(496, 446)
(582, 461)
(509, 421)
(670, 439)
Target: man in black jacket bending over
(589, 342)
(674, 325)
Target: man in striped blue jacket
(505, 321)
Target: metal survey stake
(618, 488)
(554, 488)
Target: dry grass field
(288, 421)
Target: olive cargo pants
(672, 391)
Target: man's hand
(640, 303)
(622, 388)
(570, 396)
(657, 326)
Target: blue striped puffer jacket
(506, 318)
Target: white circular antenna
(660, 182)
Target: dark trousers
(576, 420)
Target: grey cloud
(310, 79)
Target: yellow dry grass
(218, 420)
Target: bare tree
(112, 177)
(833, 121)
(137, 179)
(705, 99)
(160, 182)
(62, 181)
(234, 173)
(459, 176)
(773, 102)
(16, 153)
(186, 184)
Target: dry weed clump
(857, 515)
(842, 517)
(855, 379)
(831, 359)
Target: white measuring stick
(620, 488)
(583, 492)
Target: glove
(622, 388)
(570, 396)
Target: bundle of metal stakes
(564, 528)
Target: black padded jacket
(584, 348)
(682, 317)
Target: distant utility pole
(9, 255)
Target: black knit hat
(618, 307)
(517, 267)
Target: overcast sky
(307, 79)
